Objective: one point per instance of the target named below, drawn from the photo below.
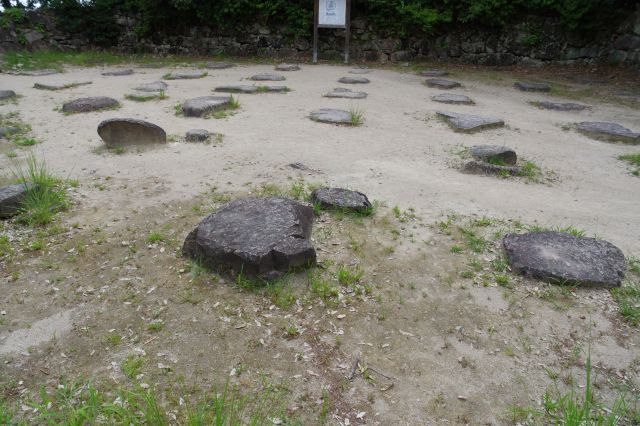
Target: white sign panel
(332, 13)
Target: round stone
(342, 199)
(354, 80)
(197, 107)
(129, 131)
(95, 103)
(333, 116)
(197, 135)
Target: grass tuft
(634, 160)
(356, 116)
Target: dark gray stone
(118, 73)
(267, 77)
(139, 96)
(11, 199)
(7, 94)
(482, 168)
(333, 116)
(185, 75)
(343, 199)
(531, 87)
(563, 258)
(218, 65)
(129, 131)
(273, 89)
(560, 106)
(440, 83)
(59, 86)
(354, 80)
(237, 88)
(38, 73)
(345, 93)
(254, 236)
(467, 122)
(487, 153)
(433, 73)
(8, 131)
(156, 86)
(360, 71)
(197, 135)
(197, 107)
(299, 166)
(95, 103)
(451, 98)
(609, 132)
(287, 67)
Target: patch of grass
(24, 141)
(5, 246)
(456, 249)
(473, 241)
(321, 287)
(348, 276)
(233, 103)
(11, 154)
(178, 109)
(113, 339)
(131, 365)
(155, 326)
(571, 230)
(156, 237)
(634, 160)
(530, 170)
(628, 299)
(356, 117)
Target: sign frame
(346, 27)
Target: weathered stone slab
(340, 92)
(560, 106)
(451, 98)
(95, 103)
(563, 258)
(482, 168)
(440, 83)
(433, 73)
(254, 236)
(343, 199)
(494, 154)
(11, 198)
(156, 86)
(609, 132)
(129, 131)
(360, 71)
(299, 166)
(267, 77)
(7, 94)
(218, 65)
(59, 86)
(197, 107)
(333, 116)
(287, 67)
(197, 135)
(38, 73)
(117, 73)
(140, 96)
(354, 80)
(273, 89)
(468, 122)
(184, 75)
(237, 88)
(527, 86)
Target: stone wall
(534, 43)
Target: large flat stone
(198, 107)
(254, 236)
(440, 83)
(38, 73)
(140, 96)
(117, 73)
(287, 67)
(95, 103)
(433, 73)
(563, 258)
(129, 131)
(11, 198)
(333, 116)
(267, 77)
(197, 135)
(451, 98)
(470, 123)
(345, 93)
(342, 199)
(482, 168)
(237, 88)
(156, 86)
(218, 65)
(7, 94)
(185, 75)
(494, 154)
(354, 80)
(609, 132)
(560, 106)
(527, 86)
(60, 86)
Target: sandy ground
(441, 340)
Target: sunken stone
(59, 86)
(470, 123)
(487, 153)
(95, 103)
(237, 88)
(563, 258)
(343, 199)
(450, 98)
(218, 65)
(197, 135)
(299, 166)
(354, 80)
(345, 93)
(118, 73)
(531, 87)
(561, 106)
(609, 132)
(264, 237)
(11, 199)
(482, 168)
(8, 131)
(7, 94)
(39, 73)
(433, 73)
(440, 83)
(137, 95)
(128, 131)
(267, 77)
(185, 75)
(287, 67)
(156, 86)
(360, 71)
(333, 116)
(197, 107)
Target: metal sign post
(331, 14)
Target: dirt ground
(435, 333)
